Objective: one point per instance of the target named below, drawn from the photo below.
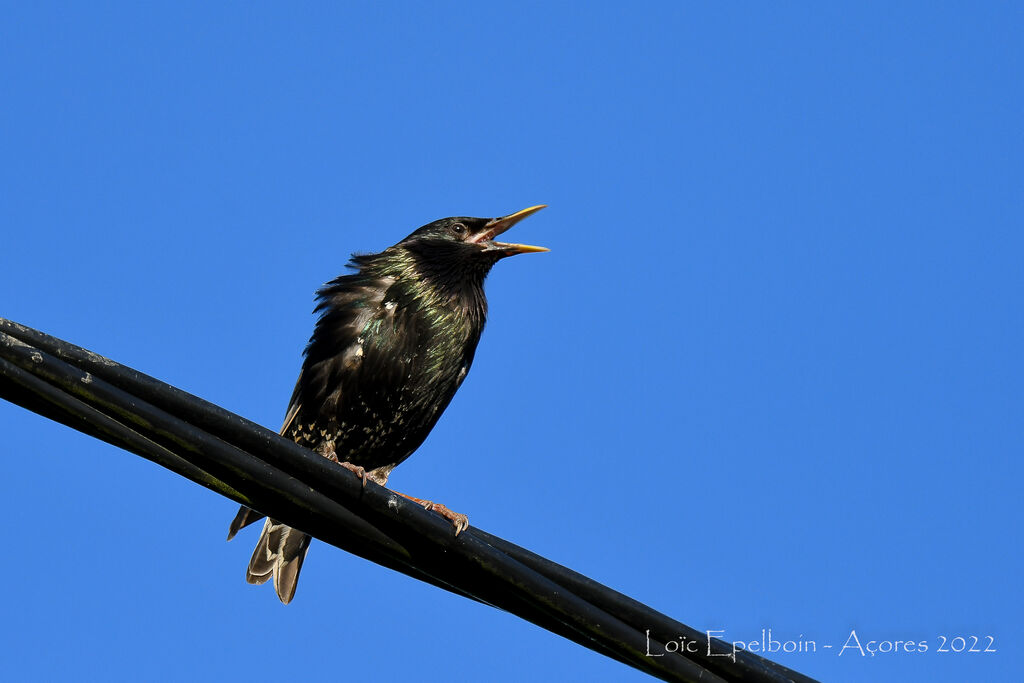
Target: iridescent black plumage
(393, 342)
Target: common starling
(393, 342)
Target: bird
(392, 343)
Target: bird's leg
(458, 520)
(326, 449)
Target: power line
(254, 466)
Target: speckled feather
(391, 347)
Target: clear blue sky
(769, 375)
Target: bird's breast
(396, 378)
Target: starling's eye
(459, 229)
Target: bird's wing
(293, 410)
(346, 306)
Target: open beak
(500, 225)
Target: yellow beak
(500, 225)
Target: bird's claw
(354, 469)
(458, 520)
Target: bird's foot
(326, 449)
(458, 520)
(354, 469)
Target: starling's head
(471, 237)
(459, 251)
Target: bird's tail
(279, 554)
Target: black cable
(20, 384)
(255, 466)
